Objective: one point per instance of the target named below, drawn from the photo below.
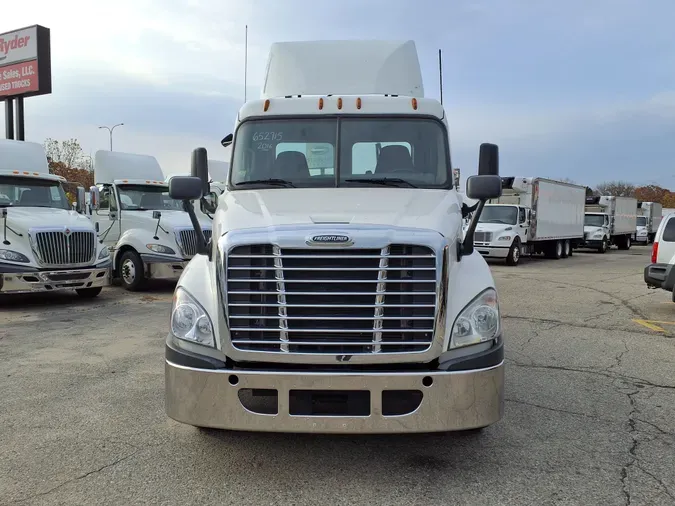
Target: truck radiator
(332, 301)
(187, 241)
(482, 236)
(65, 248)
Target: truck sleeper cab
(337, 294)
(45, 245)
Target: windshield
(147, 198)
(507, 215)
(304, 152)
(641, 221)
(594, 220)
(32, 192)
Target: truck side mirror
(209, 203)
(200, 168)
(94, 196)
(80, 204)
(488, 161)
(185, 188)
(484, 187)
(227, 140)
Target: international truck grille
(482, 236)
(187, 241)
(61, 248)
(341, 301)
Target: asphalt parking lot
(589, 417)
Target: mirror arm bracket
(466, 247)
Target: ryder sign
(25, 62)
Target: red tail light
(655, 251)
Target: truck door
(108, 216)
(523, 223)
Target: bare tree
(616, 188)
(69, 153)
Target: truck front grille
(65, 248)
(482, 236)
(341, 301)
(187, 241)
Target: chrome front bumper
(49, 281)
(457, 400)
(158, 267)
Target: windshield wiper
(385, 181)
(278, 182)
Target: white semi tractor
(609, 221)
(533, 215)
(649, 216)
(149, 234)
(341, 299)
(45, 245)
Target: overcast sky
(577, 89)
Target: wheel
(566, 249)
(571, 249)
(557, 250)
(131, 271)
(88, 293)
(627, 244)
(513, 257)
(603, 246)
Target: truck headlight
(13, 256)
(160, 248)
(189, 320)
(598, 236)
(504, 238)
(104, 253)
(478, 322)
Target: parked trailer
(609, 221)
(534, 215)
(649, 218)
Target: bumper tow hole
(233, 379)
(427, 381)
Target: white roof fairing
(218, 169)
(115, 165)
(343, 67)
(23, 156)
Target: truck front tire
(513, 257)
(603, 246)
(88, 293)
(131, 271)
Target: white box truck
(533, 215)
(339, 300)
(150, 235)
(648, 220)
(609, 221)
(45, 245)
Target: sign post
(25, 71)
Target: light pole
(110, 130)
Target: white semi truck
(344, 299)
(149, 234)
(533, 215)
(649, 216)
(609, 221)
(45, 245)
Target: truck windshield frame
(340, 151)
(499, 214)
(596, 220)
(48, 193)
(136, 192)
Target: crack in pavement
(558, 410)
(581, 325)
(77, 478)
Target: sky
(577, 89)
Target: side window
(54, 194)
(107, 199)
(365, 155)
(669, 231)
(521, 215)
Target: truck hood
(493, 227)
(592, 230)
(398, 207)
(45, 217)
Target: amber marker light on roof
(267, 105)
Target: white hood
(399, 207)
(589, 229)
(45, 217)
(169, 219)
